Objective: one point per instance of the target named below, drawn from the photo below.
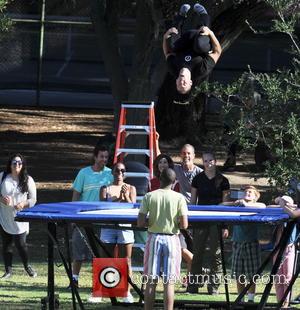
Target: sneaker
(285, 305)
(184, 282)
(30, 271)
(7, 275)
(184, 10)
(212, 291)
(129, 299)
(199, 9)
(192, 289)
(181, 16)
(94, 300)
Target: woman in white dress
(18, 191)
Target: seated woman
(119, 191)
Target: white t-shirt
(9, 187)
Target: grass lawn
(22, 292)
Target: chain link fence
(51, 47)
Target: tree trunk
(147, 37)
(146, 45)
(105, 18)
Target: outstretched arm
(242, 202)
(166, 49)
(158, 152)
(216, 47)
(291, 211)
(250, 204)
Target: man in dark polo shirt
(208, 188)
(192, 56)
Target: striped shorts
(162, 256)
(245, 259)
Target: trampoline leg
(283, 243)
(51, 296)
(92, 241)
(293, 280)
(69, 262)
(67, 265)
(224, 266)
(295, 270)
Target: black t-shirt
(210, 191)
(198, 65)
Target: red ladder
(124, 130)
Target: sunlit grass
(23, 292)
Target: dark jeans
(190, 40)
(7, 248)
(203, 237)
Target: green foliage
(287, 27)
(265, 108)
(280, 6)
(5, 22)
(288, 154)
(3, 5)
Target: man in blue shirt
(86, 187)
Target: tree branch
(231, 23)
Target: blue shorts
(162, 256)
(117, 236)
(80, 250)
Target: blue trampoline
(108, 213)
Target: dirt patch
(55, 142)
(58, 142)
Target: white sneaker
(184, 10)
(94, 300)
(129, 299)
(199, 9)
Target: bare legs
(188, 258)
(150, 294)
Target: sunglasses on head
(16, 162)
(117, 170)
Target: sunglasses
(16, 162)
(120, 170)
